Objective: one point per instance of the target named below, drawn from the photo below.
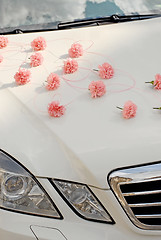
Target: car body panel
(92, 138)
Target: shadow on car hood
(92, 138)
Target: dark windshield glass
(40, 14)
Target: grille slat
(139, 192)
(149, 216)
(145, 204)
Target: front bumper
(21, 226)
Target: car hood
(92, 138)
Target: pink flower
(76, 50)
(106, 71)
(1, 58)
(157, 82)
(22, 76)
(38, 44)
(70, 66)
(53, 81)
(36, 60)
(129, 110)
(3, 42)
(97, 89)
(55, 109)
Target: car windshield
(46, 14)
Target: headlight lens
(82, 200)
(20, 191)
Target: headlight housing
(21, 192)
(82, 201)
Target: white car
(80, 156)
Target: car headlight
(21, 192)
(82, 201)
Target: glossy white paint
(92, 138)
(44, 233)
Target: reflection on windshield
(15, 13)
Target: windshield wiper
(76, 23)
(29, 28)
(105, 20)
(126, 18)
(15, 31)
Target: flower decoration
(70, 66)
(53, 81)
(157, 82)
(36, 60)
(76, 50)
(1, 58)
(97, 89)
(3, 42)
(105, 71)
(38, 44)
(55, 109)
(129, 110)
(22, 76)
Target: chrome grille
(139, 192)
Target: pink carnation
(157, 82)
(129, 110)
(3, 42)
(38, 44)
(106, 71)
(55, 109)
(70, 66)
(22, 76)
(36, 60)
(1, 58)
(53, 81)
(76, 50)
(97, 89)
